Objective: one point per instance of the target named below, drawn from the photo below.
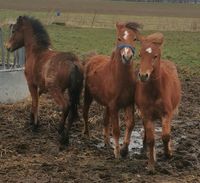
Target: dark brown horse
(111, 82)
(157, 94)
(47, 71)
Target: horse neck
(30, 44)
(153, 86)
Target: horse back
(58, 68)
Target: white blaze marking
(126, 51)
(125, 35)
(149, 50)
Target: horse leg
(73, 113)
(116, 131)
(150, 140)
(166, 129)
(129, 119)
(106, 129)
(87, 102)
(59, 98)
(34, 110)
(144, 148)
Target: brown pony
(47, 71)
(157, 95)
(111, 82)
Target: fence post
(95, 13)
(2, 48)
(21, 56)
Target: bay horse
(158, 94)
(47, 71)
(111, 82)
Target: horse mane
(133, 26)
(41, 36)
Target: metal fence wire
(10, 61)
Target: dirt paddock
(26, 156)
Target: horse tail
(75, 89)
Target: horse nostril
(143, 77)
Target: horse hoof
(151, 169)
(107, 146)
(64, 138)
(31, 119)
(35, 127)
(116, 153)
(124, 151)
(60, 130)
(86, 133)
(168, 155)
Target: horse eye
(155, 56)
(13, 31)
(119, 39)
(139, 55)
(135, 39)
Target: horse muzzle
(126, 59)
(127, 53)
(143, 76)
(8, 46)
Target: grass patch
(180, 47)
(99, 20)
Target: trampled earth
(27, 156)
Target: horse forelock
(133, 26)
(40, 34)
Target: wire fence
(108, 21)
(10, 61)
(16, 60)
(97, 20)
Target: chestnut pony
(47, 71)
(158, 94)
(111, 82)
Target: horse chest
(151, 107)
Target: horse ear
(140, 37)
(119, 25)
(20, 19)
(156, 38)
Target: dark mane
(40, 33)
(133, 25)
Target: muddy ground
(26, 156)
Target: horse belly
(126, 98)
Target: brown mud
(27, 156)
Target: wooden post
(2, 48)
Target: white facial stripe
(126, 51)
(149, 50)
(125, 35)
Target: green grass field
(181, 47)
(86, 31)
